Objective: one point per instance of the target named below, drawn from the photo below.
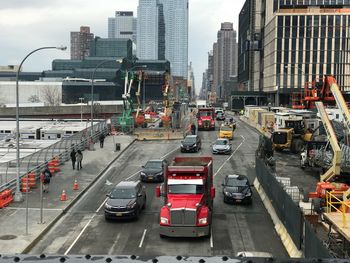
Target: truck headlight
(164, 220)
(203, 221)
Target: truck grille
(206, 124)
(184, 217)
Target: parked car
(220, 116)
(153, 170)
(126, 200)
(191, 143)
(222, 146)
(236, 189)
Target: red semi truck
(206, 119)
(188, 197)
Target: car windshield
(153, 165)
(186, 189)
(190, 139)
(221, 142)
(122, 193)
(226, 128)
(234, 182)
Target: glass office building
(303, 41)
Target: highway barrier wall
(290, 214)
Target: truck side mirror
(212, 192)
(158, 191)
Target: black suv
(236, 189)
(191, 143)
(153, 170)
(126, 200)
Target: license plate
(150, 177)
(238, 200)
(119, 214)
(188, 148)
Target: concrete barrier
(158, 134)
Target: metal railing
(36, 162)
(334, 204)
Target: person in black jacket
(73, 158)
(101, 139)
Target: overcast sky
(29, 24)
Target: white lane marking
(133, 175)
(32, 208)
(211, 238)
(110, 252)
(143, 237)
(98, 209)
(230, 156)
(163, 157)
(83, 230)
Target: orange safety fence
(6, 197)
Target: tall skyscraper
(80, 43)
(176, 35)
(123, 25)
(150, 30)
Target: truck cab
(188, 198)
(206, 119)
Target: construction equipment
(313, 91)
(265, 152)
(126, 120)
(139, 116)
(166, 103)
(292, 133)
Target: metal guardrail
(333, 203)
(36, 162)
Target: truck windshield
(205, 113)
(186, 189)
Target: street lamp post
(18, 195)
(92, 97)
(81, 109)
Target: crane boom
(334, 170)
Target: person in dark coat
(102, 139)
(45, 179)
(73, 158)
(193, 129)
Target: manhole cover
(7, 237)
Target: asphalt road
(83, 230)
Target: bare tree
(34, 98)
(51, 96)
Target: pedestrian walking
(73, 158)
(193, 129)
(79, 158)
(102, 139)
(45, 178)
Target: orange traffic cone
(75, 185)
(63, 196)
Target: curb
(279, 227)
(64, 211)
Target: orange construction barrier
(6, 197)
(53, 166)
(25, 185)
(32, 180)
(75, 185)
(63, 196)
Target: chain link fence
(36, 162)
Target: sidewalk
(13, 238)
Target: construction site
(311, 138)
